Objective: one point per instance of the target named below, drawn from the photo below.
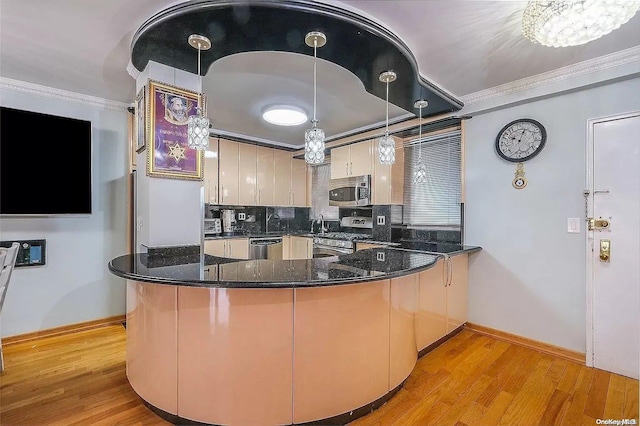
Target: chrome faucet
(322, 228)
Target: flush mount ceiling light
(420, 172)
(574, 22)
(314, 137)
(386, 144)
(198, 125)
(284, 115)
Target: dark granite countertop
(259, 235)
(212, 271)
(450, 249)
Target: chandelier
(574, 22)
(198, 124)
(386, 144)
(420, 171)
(314, 137)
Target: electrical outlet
(380, 256)
(242, 216)
(380, 220)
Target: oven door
(324, 251)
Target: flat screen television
(45, 164)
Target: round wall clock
(521, 140)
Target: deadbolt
(598, 224)
(605, 250)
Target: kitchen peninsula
(227, 341)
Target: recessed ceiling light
(284, 115)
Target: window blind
(437, 201)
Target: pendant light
(198, 127)
(420, 171)
(386, 144)
(314, 137)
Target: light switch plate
(573, 225)
(242, 216)
(380, 220)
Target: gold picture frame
(141, 109)
(169, 155)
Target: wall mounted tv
(45, 164)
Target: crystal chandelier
(314, 137)
(198, 127)
(420, 171)
(386, 144)
(574, 22)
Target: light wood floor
(79, 379)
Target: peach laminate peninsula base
(274, 356)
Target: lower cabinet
(236, 248)
(443, 304)
(300, 247)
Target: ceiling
(463, 47)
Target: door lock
(598, 224)
(605, 250)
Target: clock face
(521, 140)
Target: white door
(614, 291)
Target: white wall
(75, 284)
(169, 211)
(530, 277)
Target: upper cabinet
(352, 160)
(228, 161)
(387, 181)
(211, 174)
(265, 169)
(250, 175)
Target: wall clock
(521, 140)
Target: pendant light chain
(198, 123)
(199, 80)
(315, 60)
(387, 128)
(420, 134)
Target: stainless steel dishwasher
(265, 248)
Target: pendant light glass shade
(198, 124)
(420, 171)
(574, 22)
(314, 137)
(386, 144)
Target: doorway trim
(589, 235)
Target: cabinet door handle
(259, 195)
(293, 196)
(215, 195)
(221, 194)
(347, 169)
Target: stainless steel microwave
(353, 191)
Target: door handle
(605, 250)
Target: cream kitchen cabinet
(228, 160)
(442, 300)
(352, 160)
(265, 178)
(298, 183)
(290, 180)
(388, 179)
(236, 248)
(247, 192)
(211, 174)
(300, 247)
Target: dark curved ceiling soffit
(354, 42)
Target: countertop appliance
(336, 243)
(213, 226)
(265, 248)
(350, 192)
(228, 220)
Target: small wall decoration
(169, 155)
(141, 120)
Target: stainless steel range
(336, 243)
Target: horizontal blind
(437, 201)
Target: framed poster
(141, 120)
(169, 155)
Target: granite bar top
(259, 235)
(212, 271)
(437, 248)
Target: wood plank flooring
(473, 380)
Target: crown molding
(37, 89)
(601, 63)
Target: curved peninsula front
(278, 342)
